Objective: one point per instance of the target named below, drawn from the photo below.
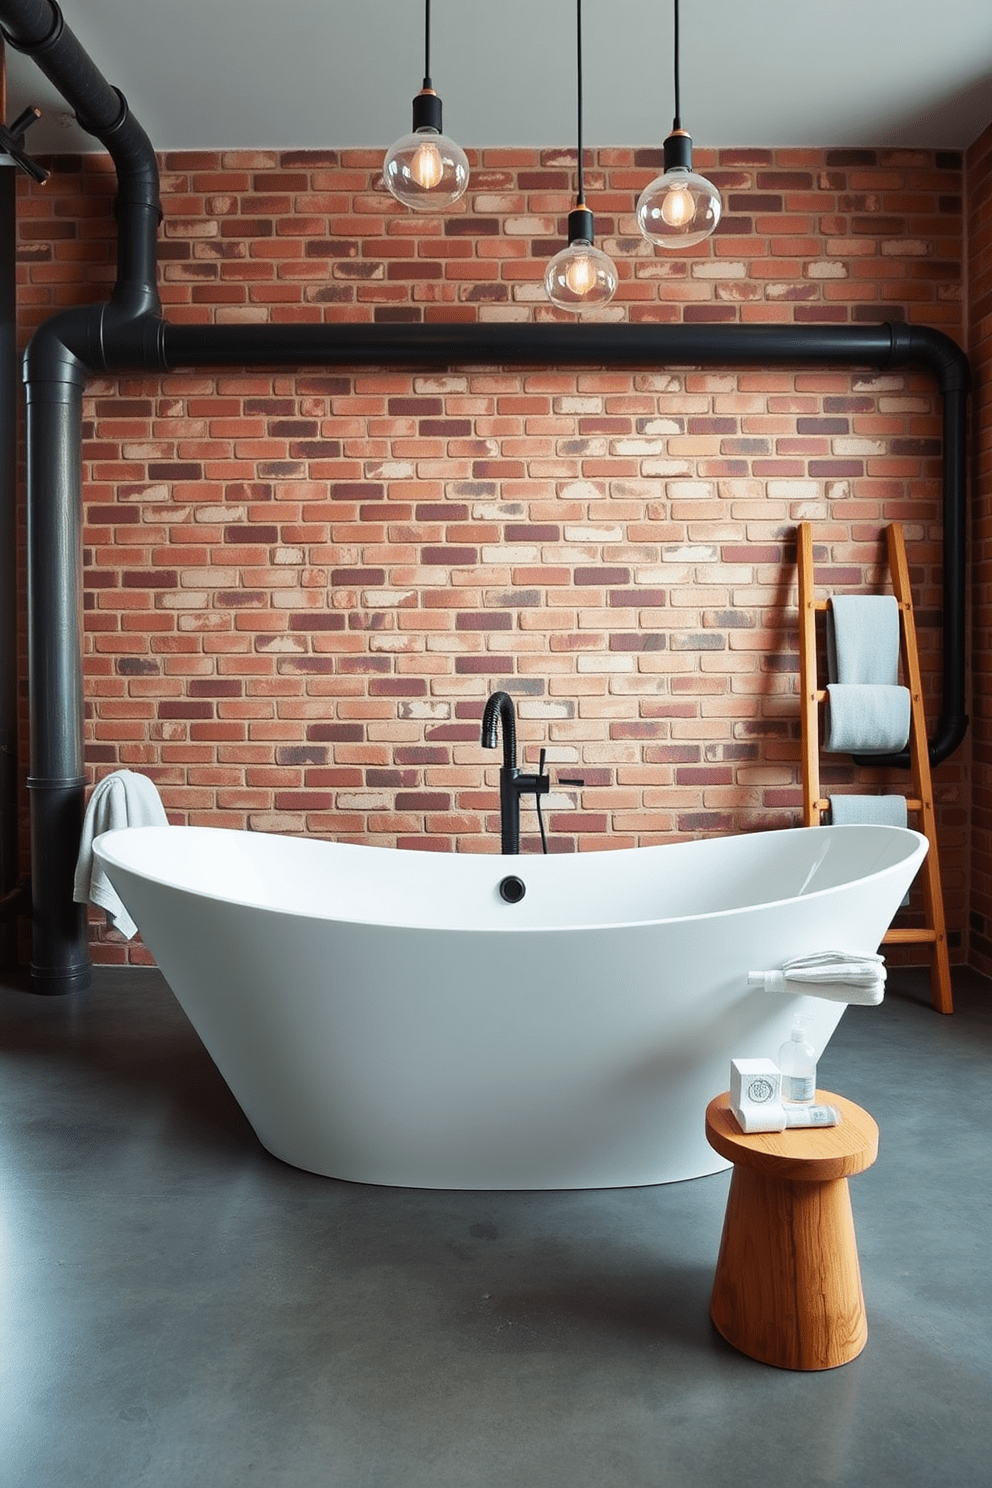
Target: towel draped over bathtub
(838, 976)
(123, 799)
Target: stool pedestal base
(787, 1289)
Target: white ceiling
(280, 74)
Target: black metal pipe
(128, 334)
(56, 783)
(124, 332)
(556, 343)
(9, 867)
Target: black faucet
(513, 783)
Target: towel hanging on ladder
(864, 718)
(863, 639)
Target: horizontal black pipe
(553, 343)
(128, 334)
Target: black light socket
(581, 226)
(427, 111)
(678, 151)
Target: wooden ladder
(920, 801)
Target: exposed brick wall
(301, 589)
(979, 179)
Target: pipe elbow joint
(124, 335)
(933, 349)
(948, 735)
(64, 349)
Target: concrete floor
(183, 1311)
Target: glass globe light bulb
(678, 209)
(425, 170)
(580, 275)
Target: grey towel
(866, 719)
(885, 811)
(863, 639)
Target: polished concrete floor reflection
(181, 1310)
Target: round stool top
(814, 1154)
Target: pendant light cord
(580, 199)
(427, 44)
(677, 121)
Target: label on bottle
(799, 1089)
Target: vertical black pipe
(9, 381)
(953, 722)
(56, 783)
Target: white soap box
(756, 1095)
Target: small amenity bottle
(797, 1061)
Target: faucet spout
(499, 709)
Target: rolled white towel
(123, 799)
(837, 976)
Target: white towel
(123, 799)
(865, 718)
(837, 976)
(863, 639)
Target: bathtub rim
(103, 853)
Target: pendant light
(580, 275)
(425, 169)
(678, 208)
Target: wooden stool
(787, 1288)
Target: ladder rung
(909, 937)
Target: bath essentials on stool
(837, 976)
(797, 1061)
(758, 1105)
(123, 799)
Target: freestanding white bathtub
(386, 1017)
